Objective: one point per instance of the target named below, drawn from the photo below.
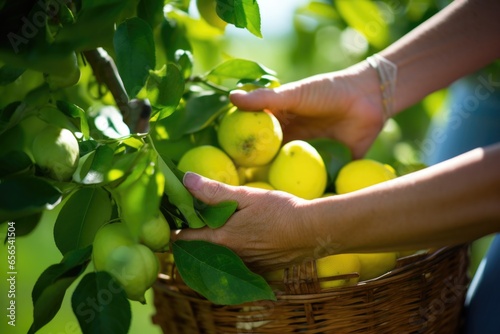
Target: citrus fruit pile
(250, 152)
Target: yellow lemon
(376, 264)
(362, 173)
(211, 162)
(250, 138)
(299, 170)
(256, 174)
(338, 264)
(261, 185)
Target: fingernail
(238, 92)
(192, 181)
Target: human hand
(267, 231)
(344, 105)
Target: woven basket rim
(418, 260)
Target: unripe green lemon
(376, 264)
(211, 162)
(135, 267)
(299, 170)
(69, 78)
(108, 238)
(56, 151)
(155, 233)
(250, 138)
(362, 173)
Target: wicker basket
(423, 294)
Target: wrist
(387, 73)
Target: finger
(203, 233)
(210, 191)
(281, 98)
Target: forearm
(462, 38)
(453, 202)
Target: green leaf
(11, 114)
(218, 273)
(135, 53)
(140, 201)
(75, 111)
(241, 13)
(94, 167)
(9, 74)
(165, 91)
(366, 18)
(101, 305)
(94, 25)
(109, 121)
(180, 199)
(24, 195)
(151, 11)
(200, 111)
(50, 288)
(25, 225)
(81, 216)
(216, 215)
(334, 154)
(174, 37)
(14, 162)
(240, 69)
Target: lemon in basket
(211, 162)
(376, 264)
(362, 173)
(299, 170)
(335, 265)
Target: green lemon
(108, 238)
(299, 170)
(211, 162)
(250, 138)
(155, 233)
(56, 151)
(359, 174)
(135, 267)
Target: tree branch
(135, 113)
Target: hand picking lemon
(362, 173)
(338, 264)
(376, 264)
(211, 162)
(250, 138)
(299, 170)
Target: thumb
(210, 191)
(281, 98)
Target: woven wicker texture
(423, 294)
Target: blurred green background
(300, 38)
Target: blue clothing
(473, 120)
